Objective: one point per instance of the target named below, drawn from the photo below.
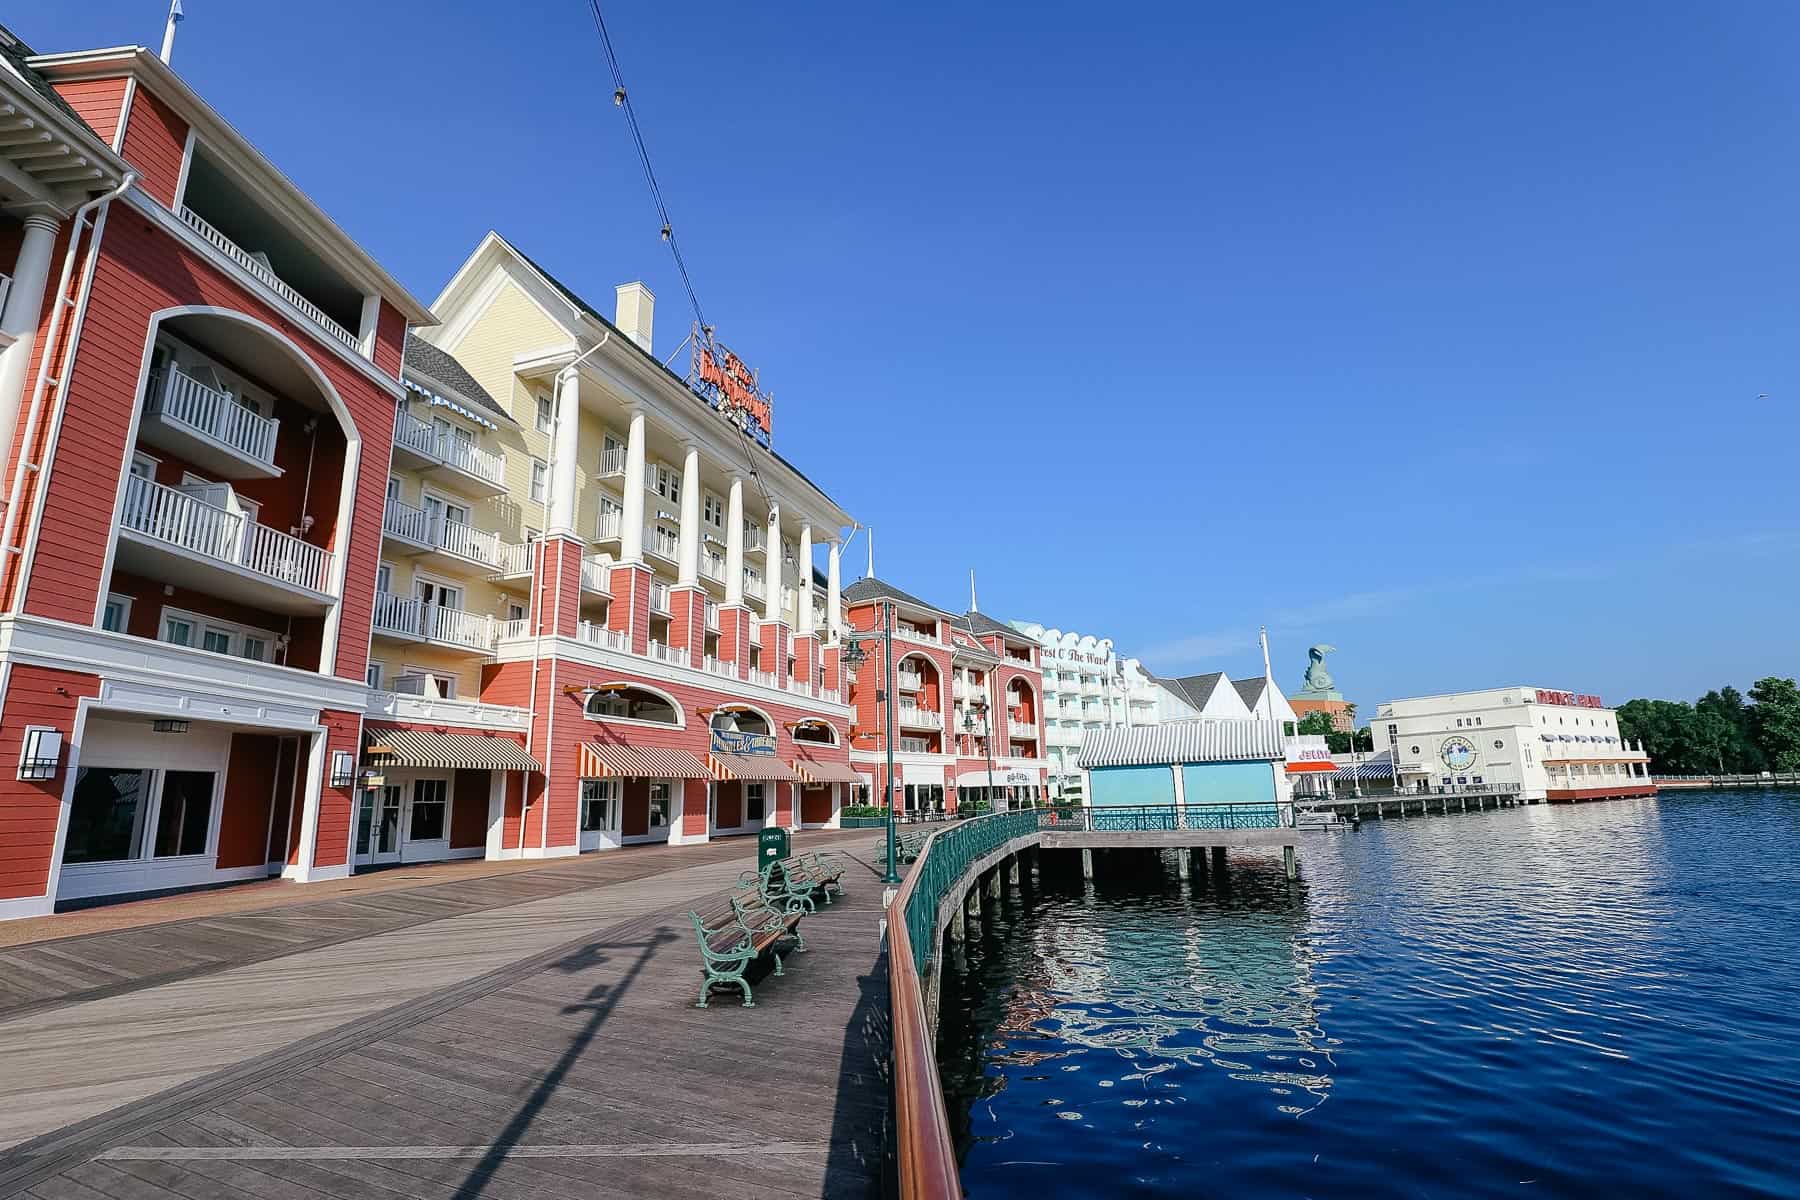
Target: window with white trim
(540, 480)
(597, 798)
(662, 802)
(667, 482)
(753, 802)
(182, 628)
(372, 675)
(546, 414)
(116, 616)
(712, 510)
(143, 466)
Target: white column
(772, 566)
(803, 612)
(734, 543)
(566, 455)
(688, 571)
(24, 305)
(631, 521)
(834, 604)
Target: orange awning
(752, 767)
(813, 771)
(646, 762)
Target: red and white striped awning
(645, 762)
(812, 771)
(752, 767)
(394, 746)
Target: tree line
(1720, 732)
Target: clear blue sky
(1432, 333)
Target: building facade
(1545, 744)
(1087, 687)
(291, 592)
(968, 710)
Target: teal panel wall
(1228, 783)
(1132, 785)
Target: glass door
(378, 826)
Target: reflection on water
(1566, 1002)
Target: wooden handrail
(924, 1152)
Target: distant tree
(1670, 734)
(1738, 752)
(1343, 743)
(1315, 723)
(1775, 722)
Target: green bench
(812, 873)
(736, 932)
(909, 845)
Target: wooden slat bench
(733, 933)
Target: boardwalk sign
(730, 741)
(720, 378)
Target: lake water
(1595, 1000)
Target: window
(429, 807)
(540, 480)
(117, 614)
(634, 704)
(184, 813)
(712, 510)
(106, 815)
(372, 675)
(546, 415)
(753, 802)
(216, 640)
(255, 648)
(664, 481)
(661, 802)
(143, 466)
(515, 612)
(596, 804)
(178, 630)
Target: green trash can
(771, 848)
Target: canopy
(752, 767)
(397, 747)
(1199, 741)
(649, 762)
(813, 771)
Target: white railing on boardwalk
(600, 635)
(173, 516)
(659, 597)
(237, 254)
(184, 399)
(716, 667)
(831, 695)
(612, 462)
(920, 718)
(596, 574)
(754, 539)
(453, 537)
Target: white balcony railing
(506, 631)
(712, 568)
(596, 575)
(612, 462)
(911, 681)
(1022, 729)
(600, 635)
(907, 633)
(436, 532)
(181, 399)
(712, 615)
(661, 542)
(763, 678)
(409, 616)
(716, 666)
(237, 254)
(918, 718)
(173, 516)
(611, 524)
(659, 597)
(421, 437)
(753, 587)
(668, 654)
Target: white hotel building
(1548, 745)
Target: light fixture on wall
(343, 768)
(168, 725)
(40, 753)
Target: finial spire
(175, 16)
(973, 607)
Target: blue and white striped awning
(461, 410)
(1182, 742)
(1379, 768)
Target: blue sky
(1440, 335)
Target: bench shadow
(599, 1003)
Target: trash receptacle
(771, 848)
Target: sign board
(720, 378)
(729, 741)
(1569, 699)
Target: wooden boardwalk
(548, 1047)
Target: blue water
(1546, 1001)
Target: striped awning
(1183, 742)
(646, 762)
(752, 767)
(397, 747)
(813, 771)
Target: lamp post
(979, 705)
(853, 656)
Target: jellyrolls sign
(720, 378)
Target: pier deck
(544, 1046)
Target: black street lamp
(851, 657)
(979, 705)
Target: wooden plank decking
(546, 1048)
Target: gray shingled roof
(871, 588)
(1250, 689)
(1198, 689)
(16, 53)
(980, 623)
(425, 359)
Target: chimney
(637, 309)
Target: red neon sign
(1568, 699)
(730, 386)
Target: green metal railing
(943, 862)
(1157, 818)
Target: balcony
(662, 544)
(193, 536)
(753, 587)
(714, 666)
(1022, 730)
(612, 523)
(659, 598)
(712, 616)
(411, 619)
(912, 717)
(912, 681)
(431, 532)
(1090, 686)
(908, 633)
(669, 654)
(612, 463)
(596, 575)
(436, 450)
(754, 539)
(600, 635)
(712, 569)
(274, 282)
(208, 427)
